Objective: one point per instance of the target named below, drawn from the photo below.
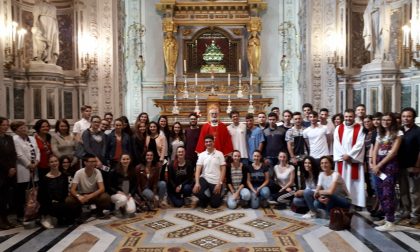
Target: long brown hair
(176, 162)
(393, 129)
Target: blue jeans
(306, 201)
(149, 195)
(264, 194)
(335, 201)
(177, 199)
(244, 194)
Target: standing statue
(254, 52)
(170, 52)
(376, 28)
(45, 32)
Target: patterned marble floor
(199, 229)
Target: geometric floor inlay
(159, 224)
(261, 224)
(208, 242)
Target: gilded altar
(212, 51)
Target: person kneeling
(236, 176)
(331, 190)
(88, 188)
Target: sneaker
(414, 221)
(402, 215)
(273, 202)
(46, 222)
(309, 215)
(387, 227)
(194, 201)
(379, 222)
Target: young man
(349, 153)
(287, 119)
(360, 113)
(105, 126)
(88, 188)
(216, 128)
(306, 108)
(238, 133)
(84, 123)
(262, 120)
(409, 158)
(192, 133)
(323, 120)
(275, 141)
(209, 175)
(255, 137)
(316, 137)
(277, 111)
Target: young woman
(285, 180)
(180, 178)
(67, 169)
(257, 180)
(28, 157)
(369, 130)
(143, 117)
(123, 186)
(331, 191)
(156, 142)
(94, 141)
(126, 125)
(305, 198)
(236, 180)
(148, 185)
(176, 139)
(63, 142)
(118, 142)
(138, 142)
(43, 140)
(337, 119)
(385, 167)
(52, 195)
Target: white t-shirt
(211, 163)
(81, 126)
(87, 184)
(317, 137)
(326, 181)
(283, 177)
(238, 134)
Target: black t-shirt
(257, 177)
(410, 147)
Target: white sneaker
(309, 215)
(379, 222)
(387, 227)
(45, 222)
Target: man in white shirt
(88, 188)
(238, 133)
(209, 175)
(84, 123)
(316, 137)
(349, 152)
(323, 120)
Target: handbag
(31, 203)
(340, 219)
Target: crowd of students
(305, 161)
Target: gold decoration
(237, 32)
(186, 32)
(170, 52)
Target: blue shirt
(255, 136)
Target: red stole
(354, 166)
(222, 138)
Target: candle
(185, 66)
(228, 80)
(239, 66)
(196, 80)
(14, 26)
(250, 81)
(174, 80)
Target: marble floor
(222, 229)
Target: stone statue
(376, 28)
(45, 32)
(254, 53)
(170, 52)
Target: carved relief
(359, 55)
(316, 51)
(65, 26)
(395, 33)
(107, 55)
(303, 20)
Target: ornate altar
(217, 52)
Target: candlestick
(250, 81)
(185, 88)
(228, 80)
(174, 80)
(185, 66)
(240, 95)
(196, 80)
(239, 66)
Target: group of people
(305, 161)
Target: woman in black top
(52, 194)
(123, 186)
(180, 178)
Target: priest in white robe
(349, 155)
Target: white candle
(228, 80)
(239, 66)
(14, 26)
(196, 80)
(185, 66)
(174, 80)
(250, 81)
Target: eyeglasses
(96, 121)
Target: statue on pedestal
(254, 53)
(377, 28)
(170, 52)
(45, 32)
